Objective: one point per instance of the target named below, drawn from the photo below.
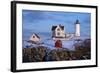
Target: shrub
(58, 55)
(35, 54)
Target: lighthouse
(77, 28)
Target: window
(58, 33)
(33, 36)
(58, 29)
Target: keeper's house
(58, 31)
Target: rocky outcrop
(43, 54)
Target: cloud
(33, 16)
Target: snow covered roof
(37, 35)
(54, 27)
(34, 34)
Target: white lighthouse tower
(77, 28)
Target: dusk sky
(42, 21)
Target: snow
(50, 43)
